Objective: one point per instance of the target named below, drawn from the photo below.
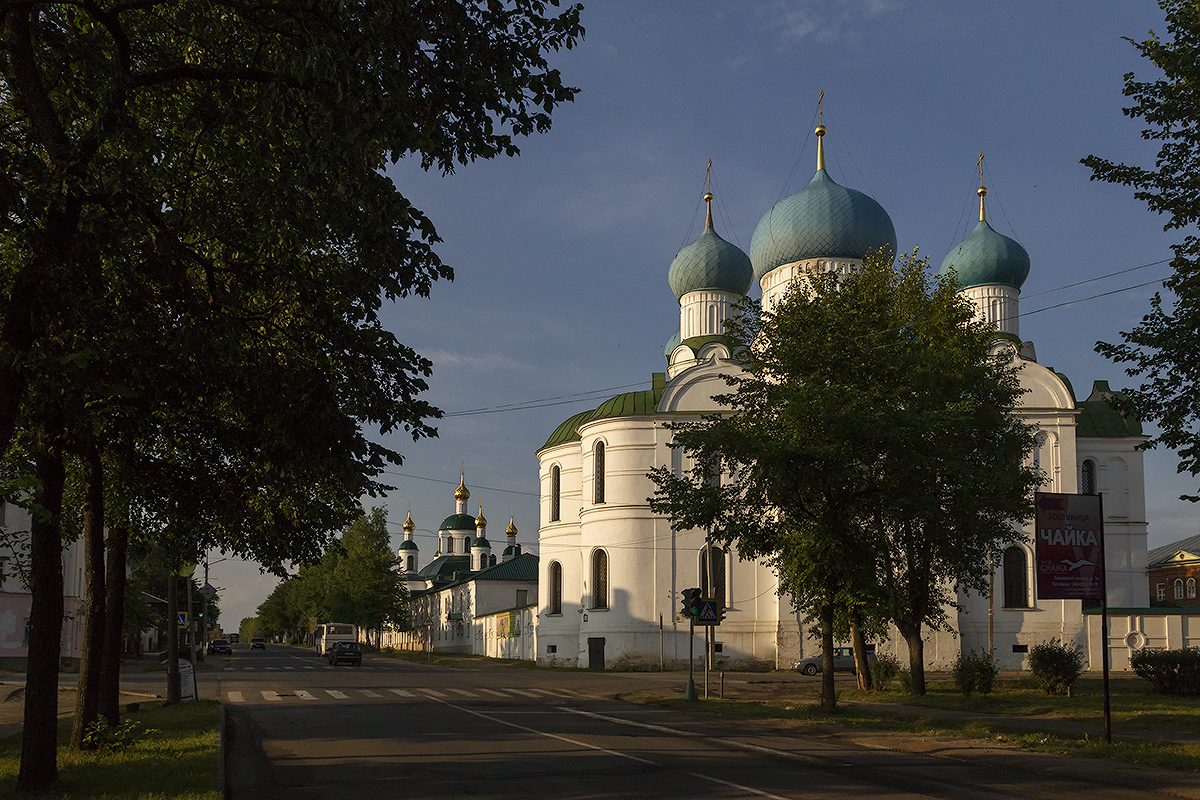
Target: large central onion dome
(822, 220)
(710, 262)
(987, 258)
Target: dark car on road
(219, 647)
(843, 660)
(258, 643)
(345, 653)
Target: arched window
(599, 473)
(555, 588)
(1087, 477)
(1016, 578)
(555, 493)
(412, 563)
(1179, 588)
(599, 579)
(1191, 588)
(717, 591)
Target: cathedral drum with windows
(612, 571)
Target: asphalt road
(388, 729)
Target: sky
(560, 298)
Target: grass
(173, 754)
(456, 660)
(1019, 704)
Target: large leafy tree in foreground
(1164, 349)
(197, 237)
(869, 453)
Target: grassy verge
(458, 661)
(172, 754)
(1018, 704)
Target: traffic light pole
(690, 692)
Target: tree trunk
(828, 698)
(39, 736)
(916, 654)
(862, 668)
(87, 696)
(173, 688)
(114, 625)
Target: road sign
(312, 625)
(709, 613)
(181, 620)
(208, 591)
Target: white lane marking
(336, 694)
(303, 695)
(548, 735)
(235, 697)
(289, 667)
(270, 668)
(271, 696)
(402, 692)
(369, 693)
(464, 693)
(554, 692)
(310, 667)
(435, 694)
(248, 669)
(493, 691)
(523, 693)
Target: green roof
(408, 544)
(1099, 420)
(480, 542)
(458, 522)
(443, 568)
(630, 404)
(521, 568)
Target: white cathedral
(611, 572)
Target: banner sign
(1068, 541)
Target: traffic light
(691, 602)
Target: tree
(209, 175)
(1164, 349)
(367, 579)
(841, 472)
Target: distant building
(612, 571)
(468, 600)
(15, 597)
(1174, 570)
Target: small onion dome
(409, 526)
(408, 544)
(672, 343)
(461, 492)
(480, 521)
(512, 550)
(478, 543)
(458, 522)
(710, 262)
(511, 530)
(986, 258)
(822, 220)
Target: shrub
(974, 672)
(100, 736)
(1169, 671)
(1056, 665)
(905, 681)
(884, 670)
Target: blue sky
(561, 255)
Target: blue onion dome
(710, 262)
(822, 220)
(986, 257)
(672, 343)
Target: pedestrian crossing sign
(709, 614)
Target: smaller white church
(611, 572)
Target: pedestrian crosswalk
(449, 694)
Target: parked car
(347, 652)
(843, 660)
(220, 647)
(234, 638)
(258, 643)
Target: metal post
(991, 608)
(690, 692)
(661, 633)
(1104, 625)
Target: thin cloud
(798, 21)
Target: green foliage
(101, 736)
(1175, 672)
(1162, 349)
(1055, 665)
(884, 669)
(877, 455)
(974, 672)
(905, 680)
